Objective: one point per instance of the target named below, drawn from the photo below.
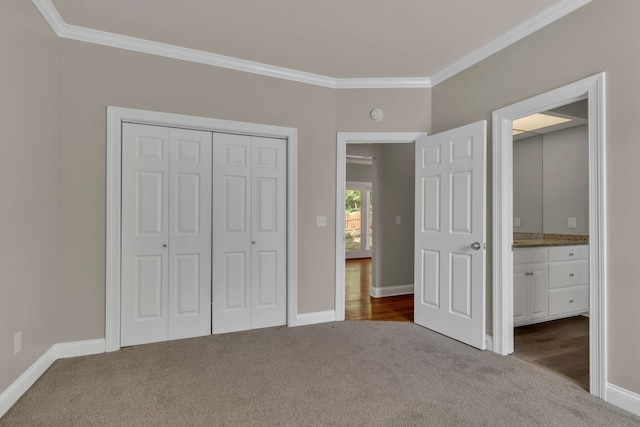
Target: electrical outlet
(516, 222)
(571, 223)
(321, 221)
(398, 220)
(17, 342)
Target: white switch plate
(17, 342)
(516, 222)
(398, 220)
(571, 223)
(321, 221)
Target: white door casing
(166, 234)
(450, 233)
(593, 89)
(249, 251)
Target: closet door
(166, 234)
(145, 234)
(232, 231)
(269, 237)
(190, 234)
(249, 248)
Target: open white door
(450, 233)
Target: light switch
(571, 223)
(516, 222)
(398, 220)
(321, 221)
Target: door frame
(363, 187)
(115, 117)
(344, 138)
(593, 89)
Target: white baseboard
(80, 348)
(314, 318)
(391, 291)
(625, 399)
(58, 351)
(26, 380)
(488, 340)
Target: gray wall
(359, 173)
(551, 181)
(527, 184)
(565, 175)
(601, 36)
(395, 196)
(28, 184)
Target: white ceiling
(334, 38)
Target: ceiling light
(537, 121)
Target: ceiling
(335, 38)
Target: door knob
(475, 246)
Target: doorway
(550, 220)
(591, 89)
(358, 225)
(341, 179)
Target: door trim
(344, 138)
(115, 117)
(593, 89)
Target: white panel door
(190, 233)
(269, 237)
(166, 234)
(232, 231)
(450, 233)
(249, 223)
(145, 234)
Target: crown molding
(523, 30)
(89, 35)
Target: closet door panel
(232, 233)
(145, 232)
(190, 233)
(269, 203)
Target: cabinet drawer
(568, 300)
(568, 253)
(529, 255)
(568, 273)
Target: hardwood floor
(360, 306)
(560, 345)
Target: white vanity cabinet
(530, 287)
(568, 280)
(550, 283)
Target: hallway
(360, 306)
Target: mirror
(551, 170)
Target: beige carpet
(349, 373)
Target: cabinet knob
(570, 301)
(164, 245)
(570, 274)
(571, 254)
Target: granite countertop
(532, 240)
